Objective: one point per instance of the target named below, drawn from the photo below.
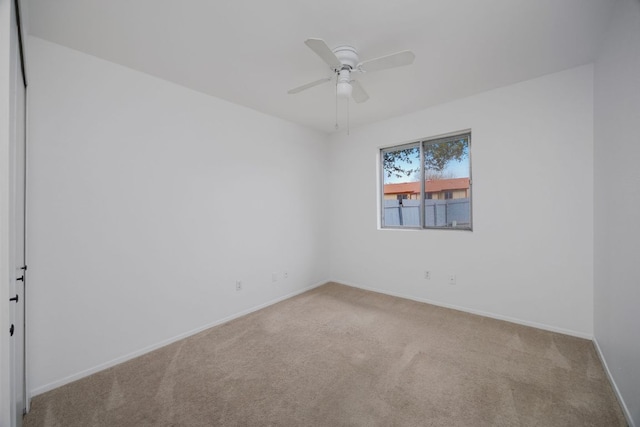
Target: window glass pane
(401, 182)
(447, 182)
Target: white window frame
(420, 145)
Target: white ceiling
(251, 52)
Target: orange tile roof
(402, 188)
(430, 186)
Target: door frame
(23, 233)
(13, 77)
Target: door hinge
(24, 267)
(21, 278)
(14, 298)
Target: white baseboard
(473, 311)
(625, 409)
(121, 359)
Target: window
(427, 184)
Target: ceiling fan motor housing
(347, 55)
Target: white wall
(617, 202)
(529, 257)
(146, 202)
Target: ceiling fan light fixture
(343, 86)
(344, 89)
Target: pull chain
(337, 127)
(348, 121)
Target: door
(18, 223)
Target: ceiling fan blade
(358, 93)
(397, 59)
(322, 50)
(308, 85)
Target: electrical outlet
(274, 277)
(427, 275)
(452, 279)
(238, 285)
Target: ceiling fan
(344, 62)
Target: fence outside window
(450, 213)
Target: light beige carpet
(339, 356)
